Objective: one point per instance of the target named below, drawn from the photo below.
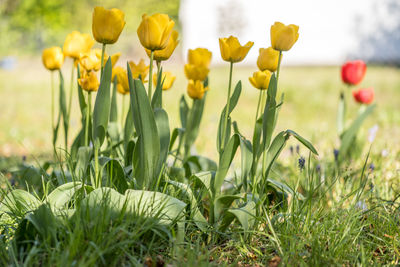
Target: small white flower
(372, 133)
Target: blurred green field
(311, 97)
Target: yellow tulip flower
(284, 37)
(199, 57)
(107, 25)
(260, 79)
(140, 69)
(77, 43)
(154, 31)
(195, 89)
(167, 78)
(232, 51)
(268, 59)
(89, 81)
(53, 58)
(165, 54)
(197, 73)
(90, 60)
(122, 80)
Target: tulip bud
(196, 90)
(353, 72)
(268, 59)
(154, 31)
(89, 81)
(284, 37)
(139, 70)
(260, 79)
(199, 57)
(53, 58)
(197, 73)
(364, 96)
(76, 43)
(232, 51)
(122, 80)
(107, 25)
(164, 54)
(167, 79)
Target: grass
(349, 215)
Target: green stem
(227, 107)
(151, 75)
(103, 50)
(88, 110)
(258, 104)
(52, 104)
(96, 166)
(279, 67)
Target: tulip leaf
(195, 164)
(233, 102)
(114, 175)
(193, 123)
(63, 108)
(63, 194)
(349, 134)
(257, 148)
(222, 203)
(129, 128)
(302, 140)
(101, 111)
(156, 101)
(162, 122)
(269, 113)
(81, 97)
(205, 179)
(147, 148)
(175, 133)
(114, 108)
(82, 161)
(245, 215)
(19, 202)
(183, 111)
(274, 150)
(225, 162)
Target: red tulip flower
(353, 72)
(364, 96)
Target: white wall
(331, 31)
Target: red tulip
(364, 96)
(353, 72)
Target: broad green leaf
(147, 148)
(245, 215)
(81, 97)
(206, 179)
(302, 140)
(63, 194)
(82, 161)
(63, 107)
(225, 162)
(129, 126)
(101, 111)
(196, 164)
(113, 132)
(114, 107)
(175, 133)
(162, 123)
(349, 134)
(233, 102)
(223, 203)
(113, 174)
(275, 150)
(19, 202)
(183, 111)
(269, 113)
(198, 218)
(284, 188)
(45, 222)
(156, 101)
(193, 123)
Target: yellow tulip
(232, 51)
(167, 79)
(122, 80)
(260, 79)
(89, 81)
(164, 54)
(196, 90)
(107, 25)
(140, 69)
(199, 57)
(268, 59)
(284, 37)
(53, 58)
(77, 43)
(194, 72)
(154, 31)
(90, 60)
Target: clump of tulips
(140, 152)
(352, 73)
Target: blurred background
(331, 32)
